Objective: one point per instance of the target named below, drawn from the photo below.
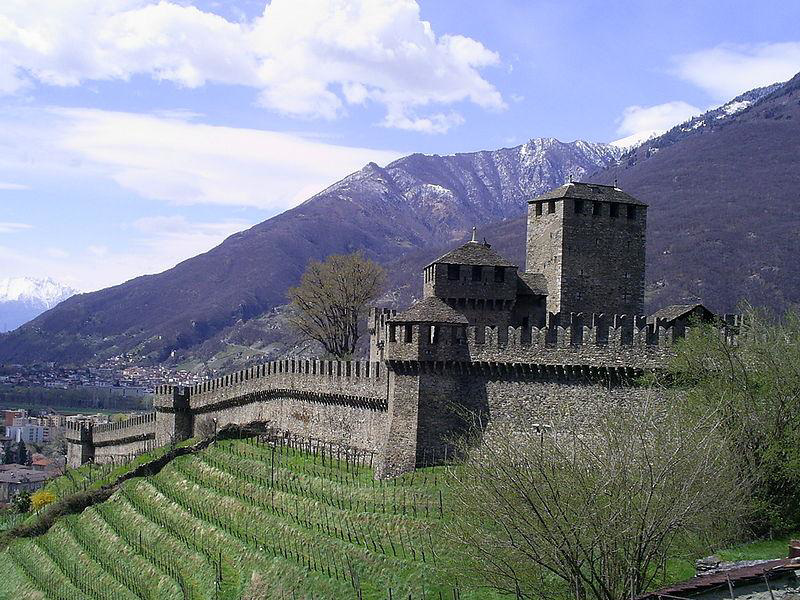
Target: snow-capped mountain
(23, 298)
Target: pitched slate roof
(676, 311)
(531, 284)
(474, 253)
(430, 310)
(589, 191)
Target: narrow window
(480, 304)
(476, 273)
(472, 303)
(596, 207)
(551, 207)
(434, 332)
(538, 209)
(407, 333)
(614, 210)
(452, 272)
(578, 207)
(499, 274)
(525, 322)
(631, 211)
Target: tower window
(392, 333)
(631, 211)
(407, 333)
(614, 210)
(476, 273)
(499, 274)
(452, 272)
(596, 209)
(578, 207)
(538, 209)
(551, 207)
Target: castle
(513, 351)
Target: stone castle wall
(431, 388)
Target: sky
(135, 134)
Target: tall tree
(332, 299)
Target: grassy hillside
(241, 519)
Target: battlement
(345, 378)
(78, 432)
(127, 423)
(376, 324)
(595, 339)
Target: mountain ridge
(414, 202)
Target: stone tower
(589, 242)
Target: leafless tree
(332, 299)
(595, 513)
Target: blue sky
(137, 133)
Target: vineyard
(246, 518)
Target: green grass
(759, 550)
(241, 519)
(89, 477)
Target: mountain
(415, 202)
(23, 298)
(723, 224)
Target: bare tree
(596, 513)
(332, 299)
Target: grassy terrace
(244, 519)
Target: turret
(428, 331)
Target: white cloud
(158, 243)
(183, 162)
(13, 227)
(729, 70)
(309, 58)
(639, 123)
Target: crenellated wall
(437, 380)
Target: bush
(41, 499)
(22, 501)
(596, 512)
(755, 385)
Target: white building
(24, 431)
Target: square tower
(588, 241)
